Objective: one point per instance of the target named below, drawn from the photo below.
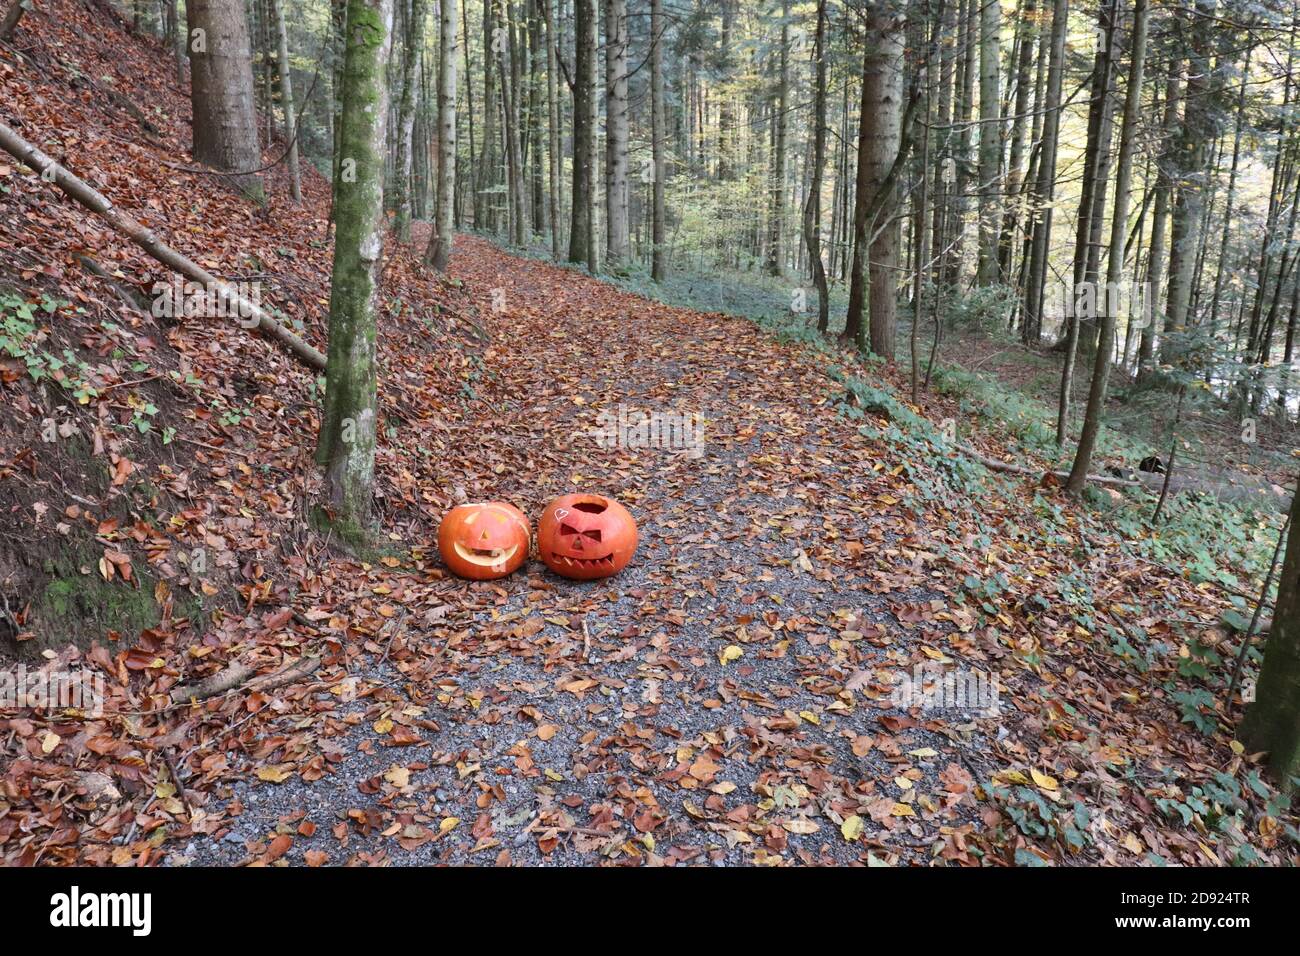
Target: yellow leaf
(1043, 780)
(924, 752)
(903, 810)
(276, 774)
(383, 725)
(809, 716)
(903, 783)
(398, 776)
(50, 741)
(851, 828)
(1238, 747)
(448, 824)
(801, 825)
(731, 652)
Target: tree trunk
(414, 46)
(438, 253)
(658, 253)
(1044, 191)
(990, 149)
(812, 211)
(1159, 223)
(221, 92)
(581, 236)
(875, 231)
(286, 100)
(775, 250)
(1197, 131)
(616, 133)
(1115, 265)
(346, 444)
(553, 121)
(1272, 722)
(15, 13)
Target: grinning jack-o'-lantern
(483, 541)
(586, 536)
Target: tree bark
(221, 91)
(286, 100)
(1272, 722)
(1115, 264)
(812, 211)
(1045, 189)
(438, 253)
(776, 231)
(616, 134)
(15, 13)
(414, 47)
(346, 445)
(658, 252)
(581, 233)
(990, 148)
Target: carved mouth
(486, 557)
(603, 564)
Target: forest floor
(732, 697)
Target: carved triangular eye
(568, 529)
(594, 534)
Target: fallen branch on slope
(237, 675)
(87, 196)
(994, 464)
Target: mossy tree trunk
(1272, 722)
(346, 445)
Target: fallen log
(132, 229)
(238, 675)
(993, 464)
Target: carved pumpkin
(483, 541)
(586, 536)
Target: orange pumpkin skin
(586, 536)
(483, 541)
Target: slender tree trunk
(658, 251)
(581, 236)
(1044, 191)
(406, 119)
(812, 211)
(286, 101)
(1115, 265)
(346, 444)
(1197, 131)
(1156, 257)
(438, 253)
(775, 250)
(616, 134)
(990, 150)
(1089, 211)
(553, 120)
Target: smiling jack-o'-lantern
(586, 536)
(483, 541)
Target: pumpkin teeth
(489, 559)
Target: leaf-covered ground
(725, 700)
